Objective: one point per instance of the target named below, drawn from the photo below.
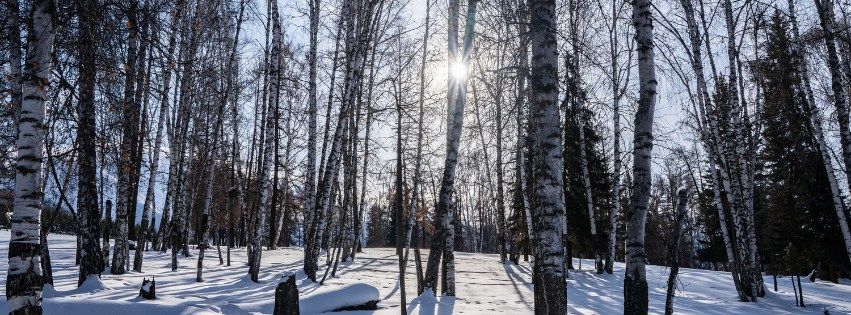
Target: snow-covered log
(350, 297)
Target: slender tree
(130, 112)
(635, 280)
(674, 250)
(443, 241)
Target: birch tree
(544, 146)
(123, 191)
(357, 38)
(635, 280)
(264, 180)
(91, 259)
(443, 241)
(310, 173)
(23, 281)
(674, 253)
(148, 207)
(828, 24)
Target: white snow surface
(484, 286)
(337, 297)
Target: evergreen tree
(579, 228)
(792, 202)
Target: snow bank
(340, 297)
(91, 285)
(485, 287)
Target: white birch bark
(709, 137)
(310, 174)
(443, 242)
(214, 144)
(415, 186)
(816, 120)
(546, 166)
(356, 43)
(23, 281)
(635, 280)
(265, 180)
(148, 206)
(743, 210)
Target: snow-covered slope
(484, 287)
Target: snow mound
(91, 285)
(338, 297)
(427, 297)
(49, 291)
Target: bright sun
(458, 70)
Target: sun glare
(458, 70)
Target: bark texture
(635, 280)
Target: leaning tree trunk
(265, 180)
(356, 56)
(412, 207)
(709, 138)
(23, 281)
(546, 199)
(589, 196)
(443, 240)
(91, 258)
(825, 9)
(635, 280)
(119, 258)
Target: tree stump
(149, 289)
(286, 297)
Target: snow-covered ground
(483, 287)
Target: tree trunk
(264, 183)
(589, 196)
(443, 240)
(546, 199)
(617, 94)
(91, 258)
(148, 207)
(415, 184)
(635, 280)
(356, 56)
(310, 174)
(674, 250)
(826, 16)
(23, 282)
(742, 208)
(107, 227)
(125, 163)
